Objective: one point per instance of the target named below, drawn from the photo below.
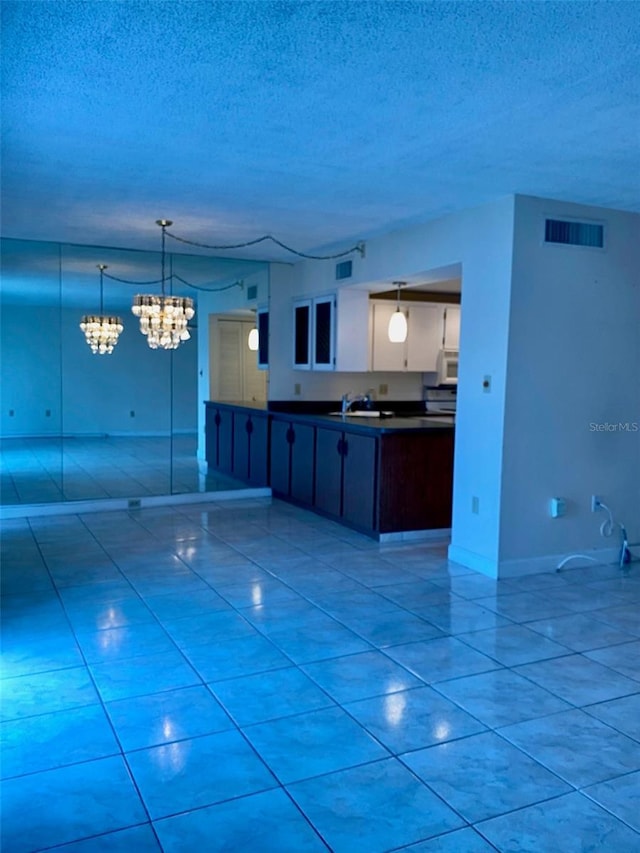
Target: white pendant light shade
(253, 340)
(398, 322)
(398, 327)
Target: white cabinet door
(385, 355)
(424, 336)
(452, 327)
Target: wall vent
(344, 270)
(252, 292)
(574, 233)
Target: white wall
(46, 364)
(574, 361)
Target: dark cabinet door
(359, 481)
(225, 441)
(302, 334)
(329, 444)
(211, 437)
(280, 457)
(302, 458)
(258, 450)
(241, 445)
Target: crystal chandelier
(101, 331)
(163, 319)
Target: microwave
(447, 366)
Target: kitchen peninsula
(382, 476)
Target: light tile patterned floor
(247, 676)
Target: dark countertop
(366, 426)
(252, 405)
(370, 426)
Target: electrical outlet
(132, 414)
(134, 503)
(47, 413)
(383, 389)
(596, 504)
(557, 507)
(297, 389)
(475, 505)
(11, 413)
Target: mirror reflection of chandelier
(163, 319)
(101, 331)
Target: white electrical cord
(608, 525)
(562, 563)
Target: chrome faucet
(348, 401)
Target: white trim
(531, 565)
(108, 504)
(474, 561)
(415, 535)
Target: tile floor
(49, 470)
(250, 677)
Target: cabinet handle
(249, 426)
(345, 448)
(217, 419)
(339, 446)
(291, 436)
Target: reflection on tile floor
(248, 676)
(51, 470)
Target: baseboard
(532, 565)
(474, 561)
(129, 504)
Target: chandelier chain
(357, 248)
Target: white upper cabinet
(452, 327)
(424, 337)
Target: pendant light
(398, 322)
(101, 331)
(163, 319)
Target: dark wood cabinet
(329, 444)
(360, 481)
(292, 458)
(346, 467)
(237, 443)
(376, 480)
(219, 439)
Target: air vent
(574, 233)
(252, 292)
(344, 270)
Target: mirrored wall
(75, 425)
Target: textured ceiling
(312, 121)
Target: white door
(233, 367)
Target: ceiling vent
(574, 233)
(344, 270)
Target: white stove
(441, 401)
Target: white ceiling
(313, 121)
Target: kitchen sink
(365, 413)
